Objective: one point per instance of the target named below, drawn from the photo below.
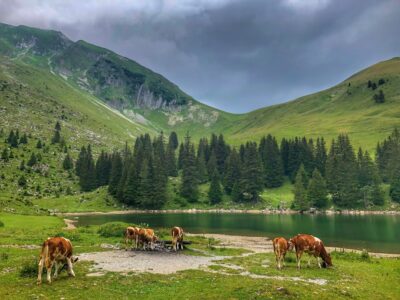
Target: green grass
(352, 276)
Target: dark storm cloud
(236, 55)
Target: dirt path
(69, 224)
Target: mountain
(128, 98)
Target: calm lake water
(374, 233)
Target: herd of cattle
(57, 251)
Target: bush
(30, 269)
(1, 224)
(112, 229)
(364, 255)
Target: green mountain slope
(153, 103)
(347, 107)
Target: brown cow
(132, 234)
(55, 251)
(147, 238)
(281, 246)
(177, 238)
(311, 245)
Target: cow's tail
(44, 254)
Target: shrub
(71, 235)
(112, 229)
(30, 269)
(364, 255)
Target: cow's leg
(56, 266)
(309, 261)
(40, 271)
(126, 244)
(70, 270)
(319, 262)
(49, 268)
(283, 259)
(298, 257)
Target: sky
(236, 55)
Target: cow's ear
(75, 259)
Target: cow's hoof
(39, 282)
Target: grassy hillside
(347, 107)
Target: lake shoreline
(231, 211)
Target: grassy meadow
(240, 275)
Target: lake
(376, 233)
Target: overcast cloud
(236, 55)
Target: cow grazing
(177, 238)
(311, 245)
(281, 246)
(56, 251)
(147, 238)
(132, 234)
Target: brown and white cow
(132, 234)
(55, 251)
(177, 238)
(311, 245)
(147, 238)
(281, 246)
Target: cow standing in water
(311, 245)
(132, 234)
(281, 246)
(177, 238)
(55, 251)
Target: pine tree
(300, 201)
(32, 160)
(5, 155)
(103, 169)
(115, 173)
(12, 139)
(202, 169)
(189, 186)
(56, 137)
(317, 193)
(251, 180)
(173, 140)
(85, 169)
(341, 173)
(212, 164)
(285, 155)
(171, 161)
(39, 144)
(180, 156)
(57, 127)
(23, 139)
(395, 186)
(232, 171)
(130, 195)
(68, 163)
(320, 156)
(215, 192)
(272, 162)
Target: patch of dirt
(141, 261)
(253, 243)
(69, 224)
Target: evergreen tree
(57, 127)
(22, 182)
(173, 140)
(23, 139)
(212, 164)
(251, 179)
(12, 139)
(395, 186)
(39, 144)
(232, 171)
(171, 161)
(320, 156)
(180, 156)
(189, 186)
(272, 162)
(22, 165)
(317, 193)
(215, 192)
(341, 173)
(86, 171)
(115, 173)
(32, 160)
(202, 169)
(103, 169)
(56, 137)
(68, 163)
(130, 195)
(4, 155)
(300, 201)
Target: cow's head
(290, 245)
(154, 239)
(327, 261)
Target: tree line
(339, 175)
